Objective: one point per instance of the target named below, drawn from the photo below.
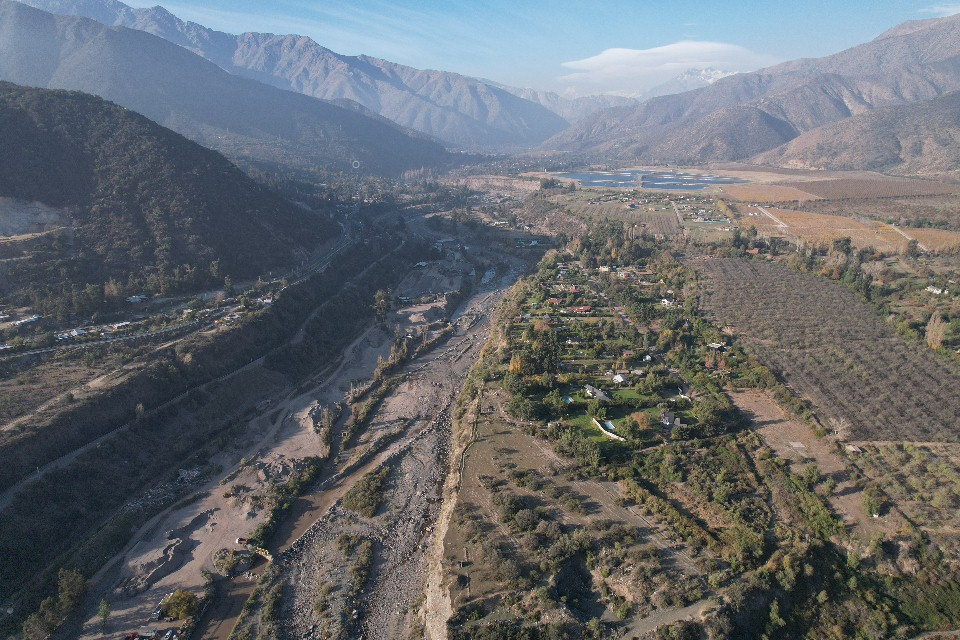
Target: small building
(619, 379)
(667, 418)
(593, 392)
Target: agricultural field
(862, 378)
(662, 215)
(936, 240)
(823, 229)
(856, 188)
(766, 193)
(608, 486)
(651, 214)
(927, 211)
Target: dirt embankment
(409, 428)
(411, 435)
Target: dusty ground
(411, 433)
(499, 445)
(796, 442)
(20, 217)
(175, 549)
(29, 392)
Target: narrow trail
(668, 616)
(8, 495)
(780, 223)
(904, 234)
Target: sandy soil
(175, 549)
(414, 422)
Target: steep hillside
(146, 207)
(908, 64)
(460, 110)
(241, 117)
(915, 139)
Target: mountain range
(459, 110)
(837, 111)
(243, 118)
(912, 139)
(742, 116)
(141, 204)
(687, 81)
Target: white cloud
(942, 10)
(632, 71)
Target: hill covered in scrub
(141, 206)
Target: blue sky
(573, 47)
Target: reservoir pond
(669, 180)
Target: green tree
(182, 604)
(596, 409)
(71, 587)
(381, 304)
(553, 401)
(913, 249)
(103, 613)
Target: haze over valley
(504, 321)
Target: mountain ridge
(906, 65)
(915, 139)
(240, 117)
(462, 111)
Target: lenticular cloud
(620, 70)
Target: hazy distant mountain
(915, 139)
(241, 117)
(571, 109)
(687, 81)
(760, 110)
(457, 109)
(144, 202)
